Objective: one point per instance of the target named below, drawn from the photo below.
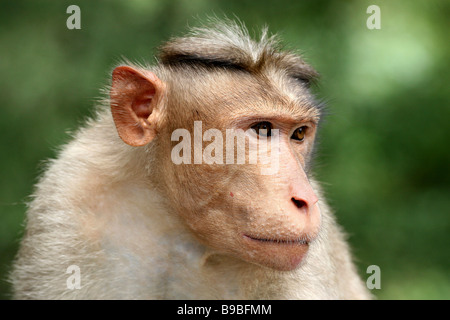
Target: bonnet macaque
(148, 202)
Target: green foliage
(384, 157)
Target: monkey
(138, 225)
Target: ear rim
(134, 130)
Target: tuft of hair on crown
(225, 43)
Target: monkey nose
(298, 203)
(305, 203)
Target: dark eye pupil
(263, 129)
(299, 134)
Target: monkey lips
(289, 253)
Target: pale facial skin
(269, 220)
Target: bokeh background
(384, 147)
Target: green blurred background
(384, 149)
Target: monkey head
(263, 212)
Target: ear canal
(134, 98)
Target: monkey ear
(135, 96)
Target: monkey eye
(299, 134)
(263, 129)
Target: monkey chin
(281, 255)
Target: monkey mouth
(298, 241)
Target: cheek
(202, 196)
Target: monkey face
(261, 209)
(264, 213)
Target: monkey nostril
(299, 203)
